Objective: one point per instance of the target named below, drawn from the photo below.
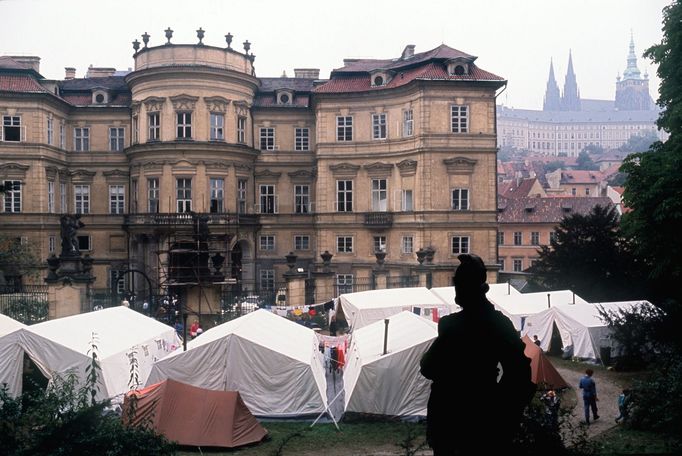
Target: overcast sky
(512, 38)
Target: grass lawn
(624, 441)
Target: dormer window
(458, 67)
(284, 97)
(100, 97)
(380, 78)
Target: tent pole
(386, 321)
(329, 412)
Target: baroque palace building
(382, 160)
(567, 124)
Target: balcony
(186, 219)
(379, 219)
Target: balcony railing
(186, 218)
(379, 219)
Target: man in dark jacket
(466, 398)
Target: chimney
(70, 73)
(309, 73)
(408, 52)
(99, 72)
(29, 61)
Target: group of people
(458, 369)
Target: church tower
(570, 101)
(552, 95)
(632, 91)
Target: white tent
(8, 325)
(447, 294)
(366, 307)
(64, 345)
(389, 384)
(518, 307)
(580, 326)
(274, 363)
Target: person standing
(463, 364)
(623, 406)
(589, 387)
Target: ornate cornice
(344, 169)
(302, 175)
(407, 167)
(216, 104)
(13, 170)
(241, 107)
(184, 102)
(135, 108)
(152, 104)
(379, 169)
(267, 173)
(460, 165)
(81, 175)
(116, 174)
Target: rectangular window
(217, 193)
(267, 242)
(460, 118)
(344, 283)
(241, 130)
(116, 139)
(50, 130)
(51, 243)
(217, 127)
(183, 187)
(344, 128)
(81, 139)
(408, 123)
(50, 197)
(267, 280)
(11, 128)
(63, 206)
(62, 135)
(379, 195)
(184, 122)
(81, 198)
(518, 238)
(302, 199)
(460, 244)
(84, 243)
(587, 191)
(154, 121)
(408, 244)
(517, 265)
(267, 199)
(153, 195)
(136, 130)
(535, 238)
(12, 196)
(134, 195)
(301, 242)
(500, 238)
(241, 196)
(574, 191)
(116, 199)
(460, 199)
(406, 201)
(302, 139)
(344, 196)
(552, 236)
(379, 126)
(344, 244)
(117, 282)
(379, 244)
(267, 139)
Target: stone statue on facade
(70, 223)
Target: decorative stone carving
(302, 175)
(153, 104)
(82, 175)
(460, 165)
(13, 170)
(216, 104)
(51, 172)
(116, 175)
(135, 108)
(241, 107)
(344, 169)
(267, 173)
(407, 167)
(379, 169)
(184, 102)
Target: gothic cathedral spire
(552, 95)
(570, 101)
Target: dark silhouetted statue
(69, 227)
(467, 401)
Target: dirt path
(607, 392)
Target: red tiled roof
(8, 63)
(20, 83)
(519, 189)
(429, 71)
(364, 65)
(546, 210)
(581, 177)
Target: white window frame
(344, 196)
(116, 139)
(13, 200)
(136, 129)
(9, 124)
(154, 126)
(379, 126)
(345, 283)
(518, 237)
(344, 244)
(379, 194)
(50, 130)
(52, 243)
(63, 198)
(241, 130)
(241, 195)
(267, 138)
(407, 200)
(517, 264)
(183, 194)
(81, 139)
(460, 244)
(267, 279)
(459, 118)
(500, 238)
(301, 242)
(87, 248)
(379, 243)
(344, 128)
(62, 135)
(302, 199)
(460, 199)
(117, 281)
(266, 242)
(217, 123)
(535, 238)
(153, 195)
(50, 197)
(302, 139)
(183, 124)
(267, 199)
(217, 194)
(407, 245)
(116, 199)
(81, 199)
(408, 123)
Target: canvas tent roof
(447, 294)
(194, 416)
(542, 370)
(580, 326)
(58, 346)
(366, 307)
(274, 363)
(389, 384)
(8, 325)
(519, 306)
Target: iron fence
(25, 303)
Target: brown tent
(194, 416)
(543, 373)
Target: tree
(16, 258)
(637, 143)
(585, 162)
(589, 256)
